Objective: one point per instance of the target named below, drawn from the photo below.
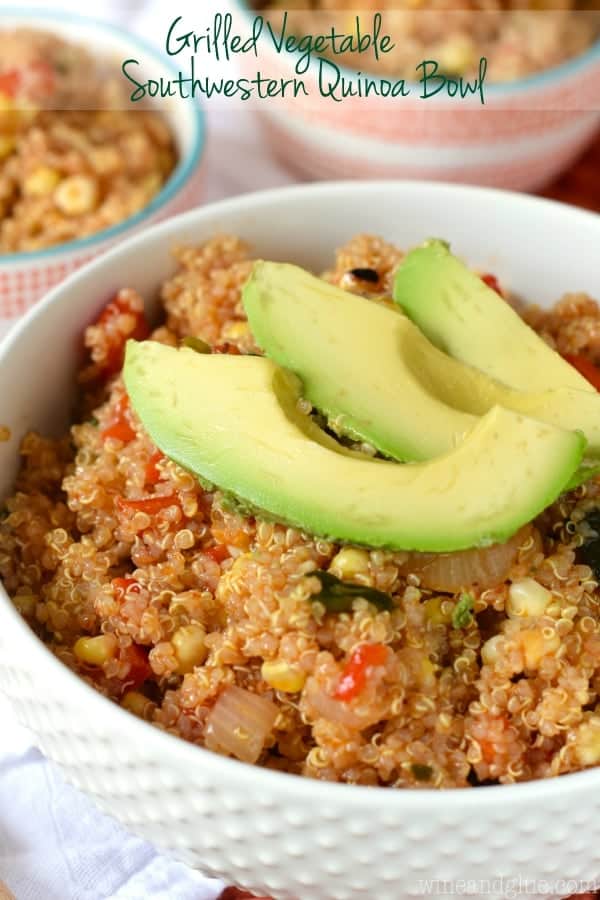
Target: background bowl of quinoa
(529, 130)
(26, 276)
(276, 833)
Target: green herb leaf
(421, 772)
(93, 421)
(462, 613)
(197, 344)
(337, 595)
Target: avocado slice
(235, 421)
(347, 352)
(376, 376)
(465, 318)
(471, 391)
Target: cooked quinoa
(517, 37)
(74, 159)
(199, 617)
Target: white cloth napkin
(54, 843)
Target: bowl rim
(174, 184)
(162, 744)
(496, 90)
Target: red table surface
(581, 187)
(581, 184)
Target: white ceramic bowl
(25, 277)
(528, 131)
(275, 833)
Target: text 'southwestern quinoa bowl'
(540, 109)
(476, 671)
(80, 166)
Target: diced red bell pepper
(140, 669)
(122, 585)
(153, 473)
(120, 427)
(116, 341)
(37, 79)
(488, 745)
(227, 347)
(585, 367)
(354, 677)
(493, 283)
(219, 552)
(149, 505)
(10, 82)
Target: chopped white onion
(239, 724)
(451, 572)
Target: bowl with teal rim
(25, 277)
(526, 133)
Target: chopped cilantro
(337, 595)
(462, 613)
(197, 344)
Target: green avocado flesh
(348, 353)
(464, 317)
(235, 421)
(378, 378)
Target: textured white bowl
(274, 833)
(25, 277)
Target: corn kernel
(527, 598)
(137, 704)
(7, 145)
(236, 330)
(587, 743)
(434, 612)
(42, 181)
(427, 674)
(489, 652)
(105, 160)
(281, 676)
(349, 562)
(76, 195)
(535, 644)
(95, 651)
(26, 112)
(457, 55)
(189, 642)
